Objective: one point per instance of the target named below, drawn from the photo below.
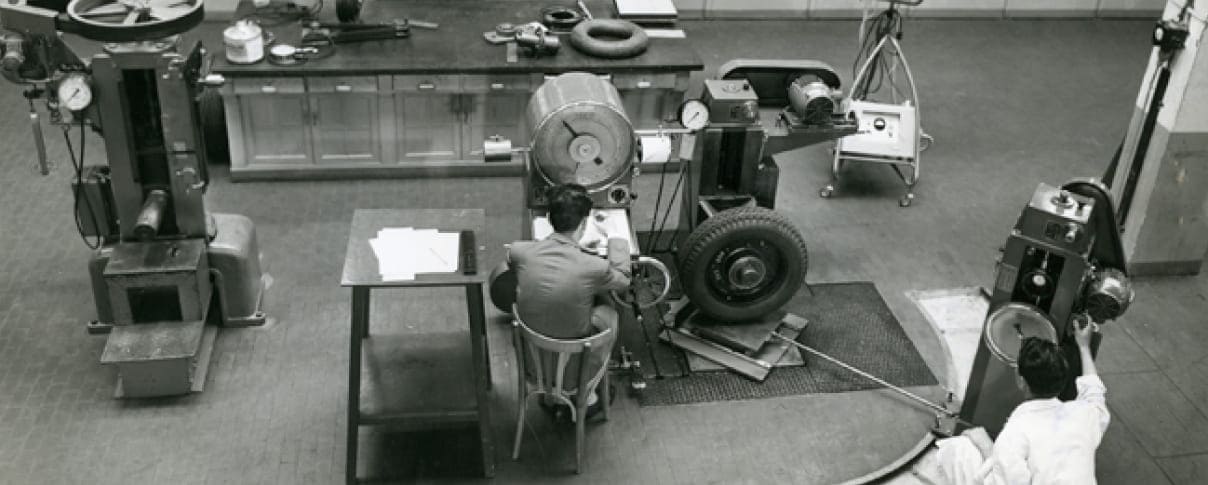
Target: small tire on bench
(596, 38)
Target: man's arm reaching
(619, 265)
(1090, 388)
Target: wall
(846, 9)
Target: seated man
(562, 290)
(1045, 440)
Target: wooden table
(403, 394)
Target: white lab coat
(1045, 441)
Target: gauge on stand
(75, 92)
(694, 114)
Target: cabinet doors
(428, 118)
(494, 105)
(345, 120)
(275, 115)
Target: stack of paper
(402, 252)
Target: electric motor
(580, 133)
(811, 100)
(1108, 295)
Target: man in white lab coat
(1045, 441)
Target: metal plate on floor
(776, 352)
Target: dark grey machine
(161, 260)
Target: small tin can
(244, 42)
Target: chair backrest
(543, 353)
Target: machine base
(160, 359)
(745, 348)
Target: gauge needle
(73, 94)
(574, 134)
(694, 116)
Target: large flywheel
(743, 263)
(132, 20)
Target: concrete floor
(1010, 103)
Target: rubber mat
(848, 321)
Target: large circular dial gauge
(74, 92)
(694, 114)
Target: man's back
(557, 284)
(1053, 442)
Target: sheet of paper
(613, 222)
(403, 252)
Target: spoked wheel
(651, 283)
(743, 263)
(133, 20)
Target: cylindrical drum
(580, 133)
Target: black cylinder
(155, 207)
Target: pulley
(132, 20)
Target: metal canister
(580, 132)
(244, 42)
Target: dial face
(74, 92)
(694, 114)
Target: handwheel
(132, 20)
(651, 283)
(349, 10)
(743, 263)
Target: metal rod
(39, 143)
(868, 376)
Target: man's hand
(1084, 329)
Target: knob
(1071, 233)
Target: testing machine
(161, 260)
(740, 261)
(1062, 264)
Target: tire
(348, 11)
(501, 285)
(633, 40)
(719, 247)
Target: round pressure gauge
(694, 114)
(74, 92)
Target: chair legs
(523, 405)
(579, 440)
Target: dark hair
(568, 205)
(1042, 366)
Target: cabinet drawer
(277, 85)
(342, 84)
(477, 83)
(439, 83)
(644, 81)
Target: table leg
(482, 371)
(360, 321)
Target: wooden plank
(1163, 420)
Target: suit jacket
(558, 282)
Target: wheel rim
(745, 271)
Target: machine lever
(938, 408)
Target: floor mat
(848, 321)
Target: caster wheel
(827, 192)
(906, 200)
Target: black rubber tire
(501, 285)
(725, 228)
(213, 127)
(633, 40)
(349, 11)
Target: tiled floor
(1011, 104)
